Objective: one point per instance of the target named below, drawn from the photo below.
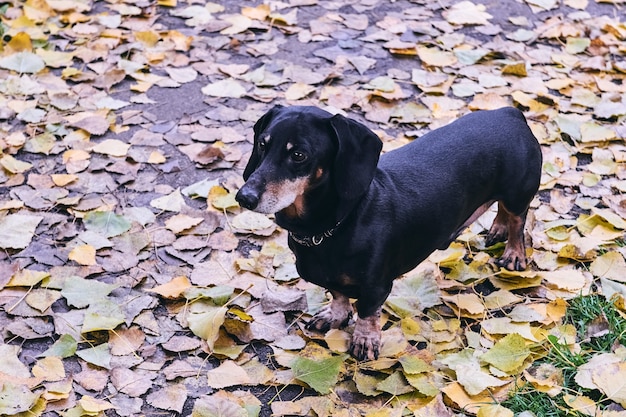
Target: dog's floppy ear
(259, 127)
(357, 157)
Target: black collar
(316, 240)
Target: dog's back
(437, 182)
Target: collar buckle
(316, 240)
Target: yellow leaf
(581, 404)
(556, 310)
(290, 18)
(61, 180)
(94, 406)
(42, 298)
(14, 166)
(467, 13)
(528, 100)
(181, 222)
(126, 341)
(545, 378)
(469, 303)
(298, 91)
(611, 380)
(508, 354)
(593, 132)
(337, 340)
(149, 38)
(494, 410)
(501, 298)
(57, 391)
(518, 68)
(228, 374)
(68, 73)
(167, 3)
(572, 280)
(174, 288)
(261, 12)
(504, 325)
(611, 265)
(488, 101)
(11, 204)
(49, 369)
(75, 155)
(83, 255)
(172, 202)
(156, 157)
(38, 10)
(239, 23)
(181, 41)
(20, 42)
(610, 217)
(56, 59)
(27, 278)
(434, 57)
(470, 404)
(221, 199)
(577, 4)
(476, 379)
(113, 147)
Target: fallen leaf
(508, 354)
(112, 147)
(228, 374)
(467, 13)
(83, 255)
(610, 380)
(17, 230)
(172, 202)
(205, 321)
(224, 88)
(321, 374)
(181, 222)
(80, 292)
(23, 63)
(173, 289)
(97, 355)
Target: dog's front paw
(329, 318)
(365, 343)
(512, 261)
(365, 347)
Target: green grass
(584, 313)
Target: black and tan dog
(356, 223)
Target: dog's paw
(329, 318)
(365, 344)
(496, 234)
(365, 347)
(512, 262)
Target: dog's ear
(265, 120)
(259, 127)
(357, 157)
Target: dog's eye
(261, 145)
(298, 156)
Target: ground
(131, 283)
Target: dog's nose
(247, 197)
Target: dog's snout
(248, 197)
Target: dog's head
(298, 149)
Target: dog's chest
(326, 269)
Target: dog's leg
(499, 230)
(333, 316)
(366, 337)
(509, 226)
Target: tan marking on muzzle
(280, 195)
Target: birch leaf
(17, 230)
